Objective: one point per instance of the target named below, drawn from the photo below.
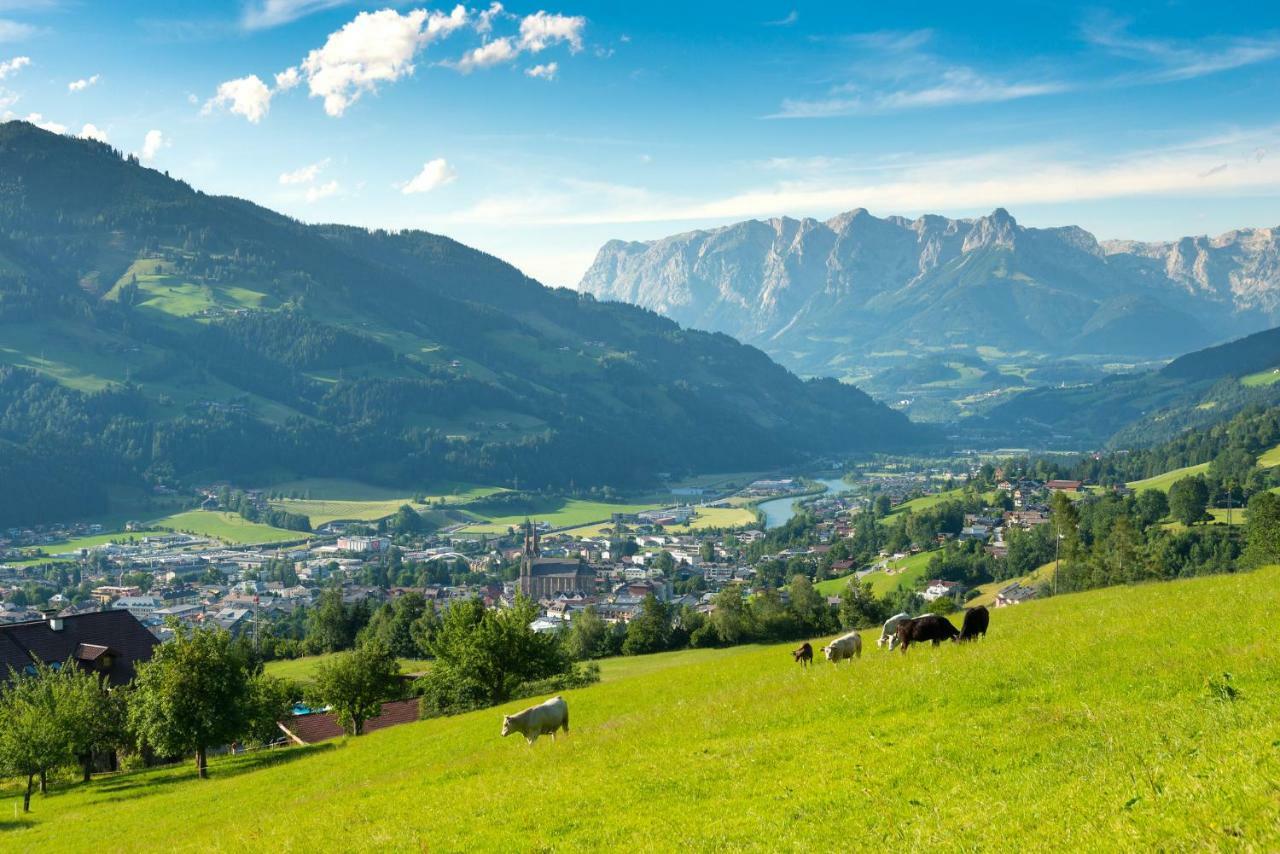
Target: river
(778, 511)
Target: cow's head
(884, 639)
(828, 651)
(506, 725)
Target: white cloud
(490, 53)
(263, 14)
(90, 131)
(323, 191)
(485, 19)
(40, 122)
(82, 84)
(546, 71)
(304, 174)
(1005, 177)
(787, 21)
(373, 48)
(1179, 60)
(955, 86)
(540, 30)
(12, 31)
(151, 145)
(244, 96)
(287, 79)
(9, 66)
(435, 173)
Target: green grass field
(228, 527)
(331, 500)
(1162, 482)
(560, 513)
(707, 517)
(304, 669)
(78, 543)
(906, 573)
(1079, 723)
(1261, 378)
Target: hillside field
(228, 527)
(1080, 722)
(906, 572)
(1162, 482)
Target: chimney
(55, 623)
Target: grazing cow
(976, 621)
(889, 634)
(929, 627)
(538, 720)
(846, 646)
(804, 654)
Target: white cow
(846, 646)
(889, 635)
(538, 720)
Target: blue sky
(537, 132)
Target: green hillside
(149, 331)
(1093, 721)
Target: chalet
(1063, 486)
(1014, 594)
(108, 643)
(937, 588)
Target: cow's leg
(532, 737)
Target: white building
(139, 606)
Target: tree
(1152, 506)
(92, 717)
(707, 551)
(1188, 500)
(196, 692)
(356, 683)
(650, 629)
(393, 625)
(1262, 531)
(731, 619)
(859, 608)
(482, 657)
(589, 636)
(32, 738)
(808, 605)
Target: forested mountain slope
(150, 333)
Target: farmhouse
(1014, 594)
(108, 643)
(1063, 486)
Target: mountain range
(151, 334)
(857, 294)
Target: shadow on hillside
(131, 786)
(7, 824)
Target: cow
(929, 627)
(804, 654)
(976, 621)
(889, 634)
(538, 720)
(846, 646)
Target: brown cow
(804, 654)
(929, 627)
(976, 621)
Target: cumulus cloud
(373, 48)
(435, 173)
(540, 30)
(244, 96)
(545, 71)
(151, 145)
(303, 174)
(323, 191)
(41, 122)
(9, 66)
(490, 53)
(287, 79)
(91, 131)
(485, 19)
(82, 84)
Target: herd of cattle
(899, 632)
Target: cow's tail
(566, 720)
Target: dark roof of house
(557, 566)
(83, 637)
(322, 726)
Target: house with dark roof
(313, 727)
(108, 643)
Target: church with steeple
(543, 577)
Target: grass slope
(1162, 482)
(304, 669)
(228, 527)
(1080, 722)
(906, 573)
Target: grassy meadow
(1101, 720)
(304, 669)
(559, 512)
(906, 573)
(1162, 482)
(228, 527)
